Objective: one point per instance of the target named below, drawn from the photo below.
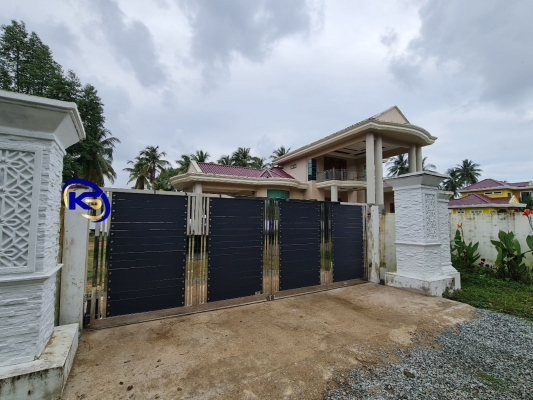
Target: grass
(489, 380)
(481, 289)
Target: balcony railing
(341, 175)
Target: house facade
(492, 196)
(344, 166)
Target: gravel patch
(490, 356)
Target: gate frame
(194, 279)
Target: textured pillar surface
(34, 133)
(370, 170)
(422, 239)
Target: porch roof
(391, 124)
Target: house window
(460, 211)
(492, 193)
(509, 194)
(311, 169)
(476, 212)
(278, 194)
(524, 196)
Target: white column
(378, 158)
(334, 193)
(422, 239)
(412, 159)
(370, 170)
(419, 159)
(444, 231)
(197, 188)
(34, 133)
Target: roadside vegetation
(506, 286)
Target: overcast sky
(216, 75)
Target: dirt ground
(288, 348)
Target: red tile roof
(232, 170)
(478, 199)
(494, 184)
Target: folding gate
(178, 253)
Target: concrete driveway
(287, 348)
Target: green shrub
(463, 255)
(510, 261)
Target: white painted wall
(485, 227)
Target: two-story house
(344, 166)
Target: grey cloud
(222, 29)
(489, 40)
(389, 39)
(132, 42)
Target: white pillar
(412, 159)
(197, 188)
(422, 239)
(419, 159)
(444, 231)
(378, 158)
(334, 193)
(74, 271)
(370, 170)
(34, 133)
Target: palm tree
(280, 151)
(200, 156)
(398, 165)
(224, 160)
(469, 172)
(428, 167)
(183, 163)
(139, 173)
(153, 161)
(96, 158)
(259, 163)
(453, 183)
(241, 157)
(162, 182)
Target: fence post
(74, 273)
(373, 244)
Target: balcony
(341, 175)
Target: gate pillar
(34, 133)
(422, 238)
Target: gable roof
(480, 199)
(392, 114)
(232, 170)
(494, 184)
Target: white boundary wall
(485, 227)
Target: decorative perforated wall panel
(16, 185)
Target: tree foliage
(27, 66)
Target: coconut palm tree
(183, 163)
(280, 151)
(259, 163)
(224, 160)
(139, 173)
(153, 161)
(453, 182)
(469, 172)
(398, 165)
(200, 156)
(241, 157)
(96, 157)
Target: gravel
(488, 357)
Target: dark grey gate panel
(235, 267)
(347, 239)
(299, 235)
(146, 253)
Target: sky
(216, 75)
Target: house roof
(390, 120)
(232, 170)
(475, 199)
(494, 184)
